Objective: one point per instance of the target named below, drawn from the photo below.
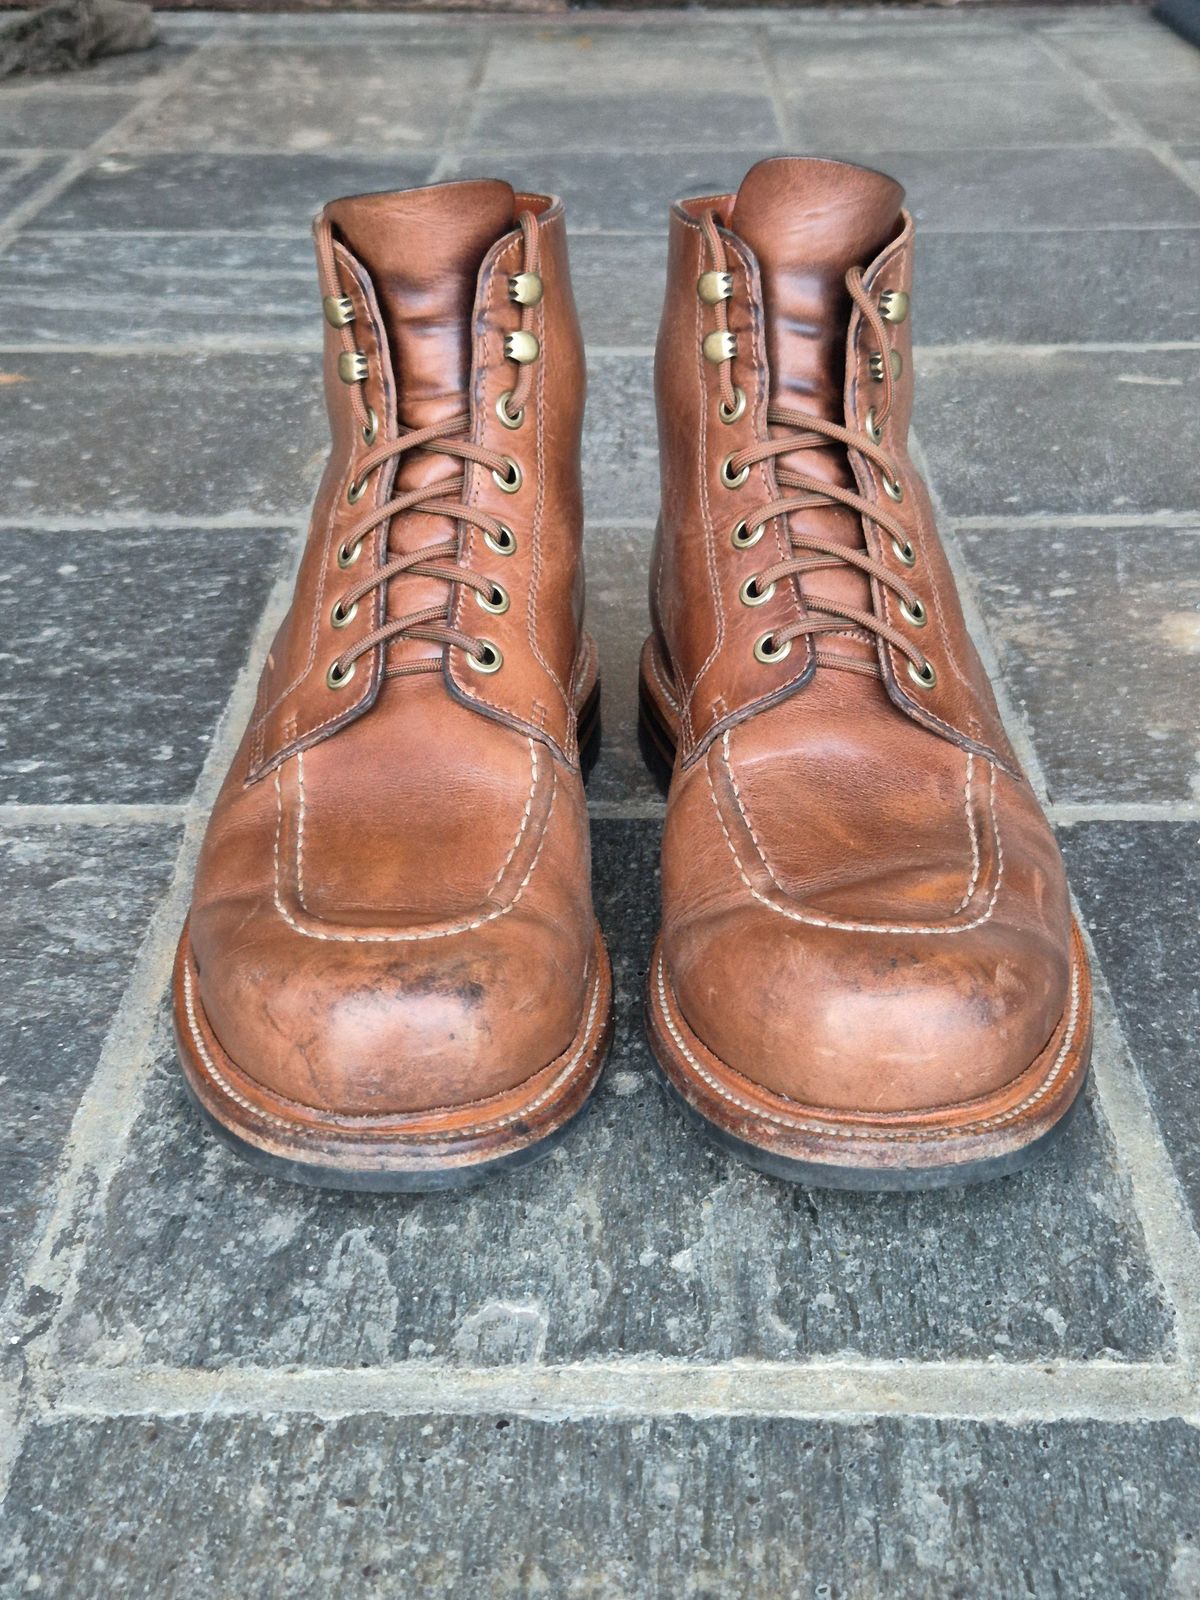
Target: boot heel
(655, 740)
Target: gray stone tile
(620, 442)
(329, 97)
(222, 191)
(1074, 432)
(55, 118)
(619, 285)
(1057, 288)
(618, 569)
(1098, 633)
(175, 44)
(1137, 52)
(116, 678)
(21, 176)
(616, 191)
(1138, 884)
(608, 122)
(558, 57)
(74, 905)
(1167, 108)
(958, 115)
(865, 53)
(195, 435)
(951, 190)
(635, 1238)
(129, 289)
(691, 1507)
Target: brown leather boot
(867, 974)
(391, 977)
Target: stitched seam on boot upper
(425, 933)
(836, 923)
(897, 1135)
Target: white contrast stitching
(867, 1134)
(829, 922)
(403, 938)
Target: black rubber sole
(370, 1181)
(865, 1180)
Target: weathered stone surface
(1130, 52)
(1166, 108)
(21, 176)
(1053, 189)
(959, 114)
(1139, 884)
(113, 288)
(638, 62)
(1099, 633)
(665, 119)
(619, 285)
(329, 97)
(204, 1507)
(620, 446)
(618, 564)
(53, 118)
(1057, 288)
(635, 1238)
(887, 53)
(74, 904)
(118, 675)
(246, 192)
(1021, 435)
(186, 435)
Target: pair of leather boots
(867, 973)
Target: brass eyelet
(743, 537)
(512, 483)
(733, 480)
(766, 651)
(492, 659)
(370, 429)
(739, 406)
(892, 487)
(348, 554)
(904, 552)
(510, 419)
(925, 678)
(356, 489)
(751, 595)
(497, 602)
(335, 678)
(871, 428)
(503, 545)
(340, 617)
(916, 613)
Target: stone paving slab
(762, 1509)
(636, 1238)
(329, 97)
(177, 435)
(54, 118)
(21, 176)
(668, 118)
(1020, 437)
(118, 675)
(1167, 108)
(74, 905)
(250, 192)
(1122, 54)
(1147, 944)
(130, 289)
(898, 55)
(957, 114)
(1057, 288)
(1098, 633)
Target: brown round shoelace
(814, 554)
(441, 498)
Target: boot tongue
(423, 249)
(809, 222)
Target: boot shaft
(773, 325)
(422, 293)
